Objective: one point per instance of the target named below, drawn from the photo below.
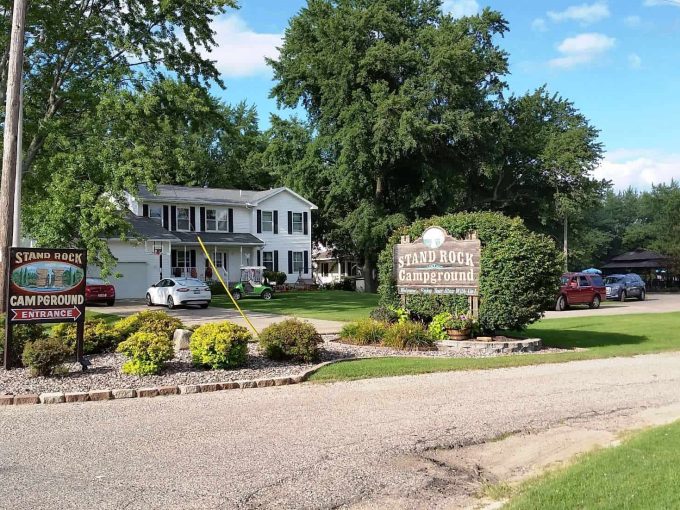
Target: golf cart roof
(253, 267)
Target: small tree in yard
(519, 276)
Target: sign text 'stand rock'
(438, 264)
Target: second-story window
(216, 220)
(297, 223)
(267, 221)
(156, 212)
(183, 222)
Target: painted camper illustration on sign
(47, 277)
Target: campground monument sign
(45, 285)
(437, 263)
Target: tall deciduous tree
(397, 95)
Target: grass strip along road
(641, 473)
(588, 337)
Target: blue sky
(618, 61)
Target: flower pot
(458, 334)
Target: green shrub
(278, 277)
(384, 314)
(436, 329)
(152, 321)
(290, 339)
(519, 277)
(216, 288)
(45, 355)
(364, 332)
(409, 335)
(21, 334)
(223, 345)
(146, 352)
(98, 336)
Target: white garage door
(133, 282)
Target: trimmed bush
(45, 355)
(277, 277)
(146, 353)
(364, 332)
(411, 336)
(437, 328)
(22, 333)
(223, 345)
(98, 336)
(290, 339)
(384, 314)
(519, 275)
(153, 321)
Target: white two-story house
(239, 228)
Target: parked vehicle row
(592, 289)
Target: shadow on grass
(582, 339)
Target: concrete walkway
(366, 444)
(195, 315)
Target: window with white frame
(298, 262)
(297, 223)
(183, 259)
(217, 220)
(156, 212)
(268, 260)
(267, 221)
(183, 222)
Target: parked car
(622, 286)
(580, 289)
(172, 292)
(99, 291)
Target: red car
(580, 289)
(99, 291)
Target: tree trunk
(370, 282)
(9, 156)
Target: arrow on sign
(28, 314)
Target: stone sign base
(505, 346)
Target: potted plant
(459, 326)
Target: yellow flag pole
(219, 276)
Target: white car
(173, 292)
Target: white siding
(243, 220)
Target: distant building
(331, 268)
(652, 266)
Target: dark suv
(580, 289)
(622, 286)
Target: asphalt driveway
(655, 303)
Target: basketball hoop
(156, 247)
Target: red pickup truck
(580, 289)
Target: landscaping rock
(247, 384)
(77, 396)
(207, 387)
(52, 398)
(99, 395)
(25, 399)
(124, 393)
(181, 339)
(186, 389)
(264, 383)
(168, 390)
(6, 400)
(231, 385)
(282, 381)
(147, 392)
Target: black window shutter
(259, 221)
(201, 213)
(145, 210)
(173, 256)
(305, 228)
(166, 217)
(192, 219)
(276, 260)
(306, 263)
(290, 222)
(231, 220)
(259, 258)
(193, 258)
(290, 262)
(173, 217)
(276, 222)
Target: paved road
(655, 303)
(305, 446)
(194, 315)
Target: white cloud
(539, 25)
(638, 168)
(632, 21)
(241, 51)
(652, 3)
(634, 61)
(584, 13)
(460, 8)
(582, 49)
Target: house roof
(147, 228)
(639, 254)
(236, 239)
(635, 264)
(212, 196)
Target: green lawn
(109, 318)
(601, 337)
(334, 305)
(641, 473)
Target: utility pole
(566, 245)
(16, 224)
(9, 156)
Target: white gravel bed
(105, 370)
